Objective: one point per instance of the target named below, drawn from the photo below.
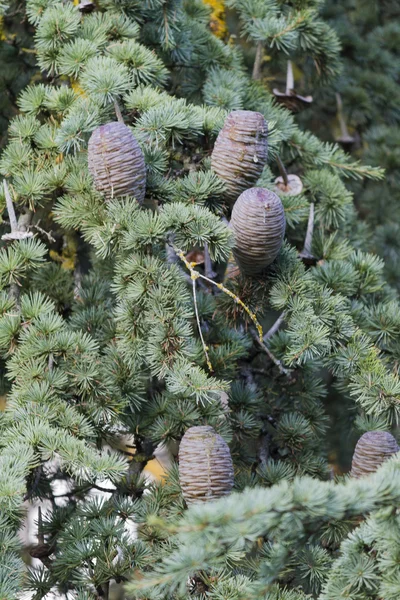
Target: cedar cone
(372, 449)
(240, 151)
(205, 465)
(258, 223)
(116, 162)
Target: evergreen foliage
(369, 92)
(116, 334)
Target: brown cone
(205, 465)
(116, 162)
(258, 223)
(240, 151)
(372, 449)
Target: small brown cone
(258, 223)
(240, 151)
(116, 162)
(205, 465)
(372, 449)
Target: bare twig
(306, 252)
(274, 327)
(44, 232)
(18, 228)
(208, 270)
(10, 208)
(18, 232)
(268, 352)
(258, 61)
(289, 78)
(343, 126)
(118, 111)
(195, 276)
(77, 282)
(263, 448)
(282, 170)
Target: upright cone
(372, 449)
(240, 151)
(116, 162)
(205, 465)
(258, 223)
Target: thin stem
(102, 489)
(274, 327)
(40, 535)
(10, 208)
(77, 282)
(258, 61)
(289, 78)
(343, 126)
(42, 231)
(268, 352)
(208, 270)
(196, 310)
(263, 450)
(282, 170)
(118, 112)
(18, 231)
(310, 231)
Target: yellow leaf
(155, 469)
(217, 17)
(2, 34)
(76, 87)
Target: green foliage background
(101, 358)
